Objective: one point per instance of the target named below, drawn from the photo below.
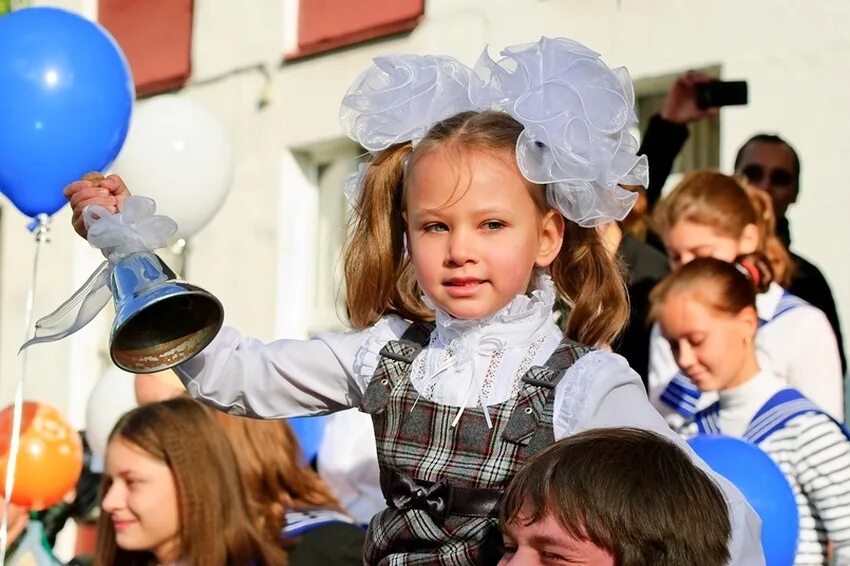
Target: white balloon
(178, 154)
(113, 395)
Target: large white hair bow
(578, 116)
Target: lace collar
(523, 320)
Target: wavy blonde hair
(719, 201)
(378, 272)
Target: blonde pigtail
(592, 280)
(773, 249)
(374, 254)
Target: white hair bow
(578, 116)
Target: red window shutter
(156, 37)
(328, 24)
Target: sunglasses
(778, 177)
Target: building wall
(258, 254)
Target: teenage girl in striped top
(706, 311)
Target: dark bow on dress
(434, 498)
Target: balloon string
(41, 232)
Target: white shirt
(348, 463)
(798, 346)
(740, 404)
(467, 363)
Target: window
(329, 24)
(328, 301)
(324, 169)
(156, 37)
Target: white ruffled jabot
(517, 323)
(463, 345)
(473, 362)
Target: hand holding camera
(696, 95)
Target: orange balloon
(50, 459)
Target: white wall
(794, 55)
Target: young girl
(710, 214)
(477, 210)
(707, 313)
(172, 493)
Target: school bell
(160, 321)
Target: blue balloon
(65, 104)
(764, 485)
(310, 431)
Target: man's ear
(551, 238)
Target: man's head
(609, 497)
(769, 163)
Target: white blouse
(798, 346)
(468, 363)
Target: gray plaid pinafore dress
(443, 484)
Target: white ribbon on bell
(136, 228)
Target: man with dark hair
(769, 163)
(615, 496)
(765, 161)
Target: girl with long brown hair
(172, 493)
(711, 214)
(478, 210)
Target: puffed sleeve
(369, 353)
(814, 365)
(615, 397)
(284, 378)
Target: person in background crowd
(644, 266)
(711, 214)
(707, 313)
(172, 493)
(287, 498)
(614, 496)
(765, 161)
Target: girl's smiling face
(474, 231)
(141, 500)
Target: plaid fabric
(414, 437)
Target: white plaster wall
(796, 57)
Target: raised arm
(284, 378)
(667, 132)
